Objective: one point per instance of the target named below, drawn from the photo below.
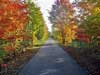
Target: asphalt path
(51, 59)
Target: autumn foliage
(20, 22)
(13, 17)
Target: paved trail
(52, 60)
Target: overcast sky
(46, 6)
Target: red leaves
(13, 16)
(9, 48)
(11, 38)
(1, 11)
(82, 37)
(16, 6)
(2, 33)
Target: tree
(13, 18)
(62, 17)
(36, 24)
(90, 21)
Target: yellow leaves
(18, 40)
(96, 10)
(34, 38)
(98, 37)
(68, 40)
(70, 34)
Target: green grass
(2, 53)
(39, 42)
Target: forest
(21, 26)
(76, 25)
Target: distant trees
(63, 21)
(80, 18)
(36, 24)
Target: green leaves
(36, 22)
(92, 25)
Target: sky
(45, 6)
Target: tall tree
(62, 15)
(90, 17)
(36, 24)
(13, 19)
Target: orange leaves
(1, 11)
(86, 5)
(2, 33)
(13, 16)
(9, 48)
(16, 6)
(4, 0)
